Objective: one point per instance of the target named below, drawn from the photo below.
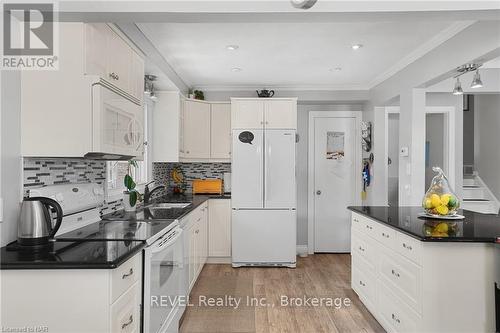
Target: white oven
(164, 283)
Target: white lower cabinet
(196, 239)
(414, 286)
(207, 236)
(219, 228)
(74, 300)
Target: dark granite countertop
(476, 227)
(146, 214)
(70, 255)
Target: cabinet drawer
(362, 282)
(409, 247)
(366, 248)
(125, 312)
(363, 224)
(396, 316)
(125, 276)
(385, 235)
(404, 278)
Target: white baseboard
(219, 260)
(302, 249)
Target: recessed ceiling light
(336, 69)
(236, 69)
(356, 46)
(232, 47)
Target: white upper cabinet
(96, 48)
(280, 114)
(220, 136)
(78, 110)
(136, 82)
(196, 130)
(276, 113)
(187, 130)
(108, 56)
(247, 113)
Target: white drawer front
(125, 312)
(362, 281)
(395, 315)
(385, 235)
(125, 276)
(404, 279)
(366, 248)
(409, 247)
(363, 224)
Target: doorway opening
(393, 159)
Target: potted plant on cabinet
(131, 195)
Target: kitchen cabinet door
(247, 113)
(118, 62)
(192, 256)
(219, 228)
(281, 114)
(136, 82)
(220, 136)
(196, 130)
(96, 39)
(203, 235)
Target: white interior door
(334, 182)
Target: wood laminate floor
(264, 293)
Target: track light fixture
(149, 87)
(476, 81)
(458, 88)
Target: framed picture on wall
(466, 102)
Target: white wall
(434, 134)
(487, 111)
(11, 167)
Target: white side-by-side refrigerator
(263, 198)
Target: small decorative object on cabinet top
(264, 93)
(440, 201)
(366, 135)
(198, 94)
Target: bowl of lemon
(440, 201)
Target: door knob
(318, 192)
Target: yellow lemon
(428, 203)
(442, 210)
(441, 227)
(445, 199)
(435, 200)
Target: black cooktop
(69, 255)
(120, 230)
(476, 227)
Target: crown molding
(420, 51)
(312, 87)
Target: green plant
(130, 184)
(198, 94)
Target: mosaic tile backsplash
(41, 172)
(161, 172)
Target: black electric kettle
(35, 224)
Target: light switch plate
(404, 152)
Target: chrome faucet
(148, 192)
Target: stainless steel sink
(169, 205)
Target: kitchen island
(425, 275)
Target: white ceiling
(294, 55)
